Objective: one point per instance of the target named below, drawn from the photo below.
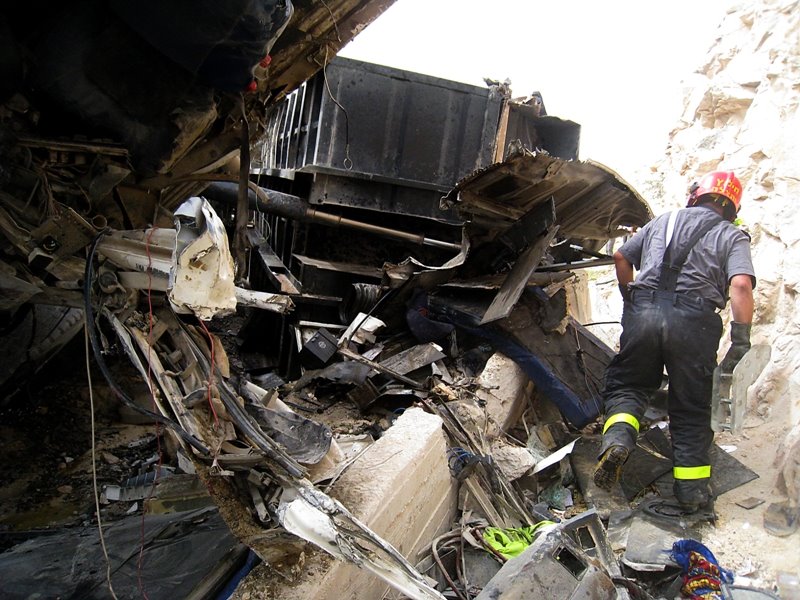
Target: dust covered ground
(739, 540)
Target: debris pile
(356, 358)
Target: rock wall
(740, 113)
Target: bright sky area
(614, 67)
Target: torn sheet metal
(361, 330)
(340, 372)
(571, 560)
(203, 281)
(304, 440)
(591, 201)
(650, 539)
(427, 276)
(312, 515)
(134, 342)
(495, 282)
(413, 358)
(555, 458)
(192, 262)
(517, 279)
(567, 368)
(14, 291)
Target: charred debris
(327, 316)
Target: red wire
(210, 372)
(152, 395)
(153, 398)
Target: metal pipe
(240, 233)
(578, 264)
(294, 207)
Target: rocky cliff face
(741, 113)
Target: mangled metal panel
(204, 274)
(566, 367)
(572, 560)
(528, 123)
(592, 203)
(162, 107)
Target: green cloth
(512, 541)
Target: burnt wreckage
(372, 235)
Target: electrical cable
(150, 342)
(94, 464)
(348, 162)
(591, 387)
(210, 372)
(98, 355)
(333, 20)
(438, 560)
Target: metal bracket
(729, 391)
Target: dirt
(739, 540)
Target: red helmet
(718, 183)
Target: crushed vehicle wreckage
(271, 238)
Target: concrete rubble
(369, 373)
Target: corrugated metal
(395, 126)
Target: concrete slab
(505, 388)
(400, 488)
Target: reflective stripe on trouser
(703, 472)
(622, 418)
(659, 333)
(621, 429)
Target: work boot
(609, 467)
(693, 495)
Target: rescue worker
(688, 261)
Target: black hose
(98, 356)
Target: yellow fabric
(622, 418)
(703, 472)
(512, 541)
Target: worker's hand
(740, 344)
(625, 291)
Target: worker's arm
(741, 292)
(624, 269)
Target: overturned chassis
(353, 191)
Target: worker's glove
(740, 344)
(625, 291)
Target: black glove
(625, 291)
(740, 344)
